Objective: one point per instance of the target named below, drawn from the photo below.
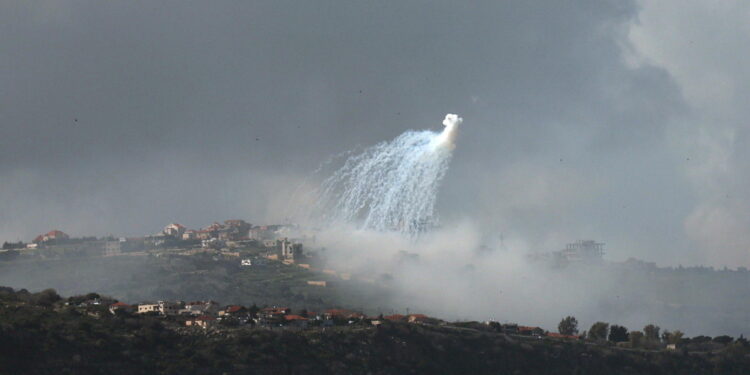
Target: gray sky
(621, 121)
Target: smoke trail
(391, 186)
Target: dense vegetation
(42, 334)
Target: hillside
(195, 277)
(44, 336)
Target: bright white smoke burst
(391, 186)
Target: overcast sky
(620, 121)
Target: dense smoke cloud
(452, 274)
(700, 51)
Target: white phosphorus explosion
(391, 186)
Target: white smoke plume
(391, 186)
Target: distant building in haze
(174, 230)
(582, 251)
(53, 235)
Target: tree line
(650, 337)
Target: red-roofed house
(233, 310)
(53, 235)
(272, 311)
(215, 227)
(530, 331)
(295, 321)
(56, 235)
(174, 230)
(395, 318)
(273, 315)
(342, 314)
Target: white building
(162, 307)
(174, 230)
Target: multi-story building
(583, 250)
(174, 230)
(161, 307)
(290, 251)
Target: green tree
(568, 326)
(494, 325)
(668, 337)
(598, 331)
(93, 296)
(46, 297)
(743, 341)
(618, 333)
(651, 332)
(723, 339)
(636, 339)
(676, 337)
(253, 310)
(700, 339)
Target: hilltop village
(251, 245)
(227, 236)
(211, 314)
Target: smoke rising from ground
(452, 273)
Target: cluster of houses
(230, 230)
(229, 234)
(206, 314)
(51, 236)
